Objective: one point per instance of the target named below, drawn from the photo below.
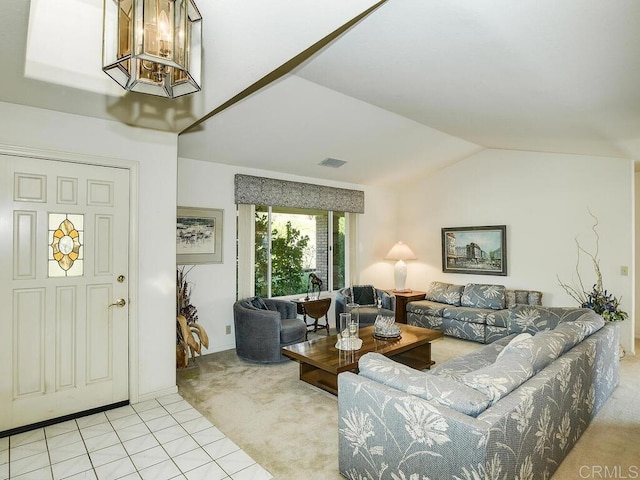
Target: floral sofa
(512, 409)
(474, 311)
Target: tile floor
(160, 439)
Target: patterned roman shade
(250, 190)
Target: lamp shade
(401, 251)
(153, 46)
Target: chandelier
(153, 46)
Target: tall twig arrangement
(597, 299)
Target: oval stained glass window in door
(65, 256)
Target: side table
(401, 302)
(316, 309)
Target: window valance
(283, 193)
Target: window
(66, 232)
(331, 250)
(292, 243)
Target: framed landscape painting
(475, 250)
(198, 235)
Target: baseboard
(158, 393)
(220, 348)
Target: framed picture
(475, 250)
(198, 235)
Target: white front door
(64, 274)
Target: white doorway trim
(133, 167)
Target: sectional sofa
(477, 312)
(512, 409)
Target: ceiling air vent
(332, 162)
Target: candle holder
(348, 332)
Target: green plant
(287, 250)
(597, 299)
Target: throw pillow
(535, 298)
(547, 346)
(532, 319)
(442, 390)
(509, 298)
(522, 297)
(364, 295)
(504, 375)
(576, 331)
(590, 322)
(259, 303)
(483, 296)
(513, 344)
(445, 293)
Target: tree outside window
(299, 245)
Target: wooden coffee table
(321, 362)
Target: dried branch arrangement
(597, 299)
(190, 336)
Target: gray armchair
(263, 326)
(368, 310)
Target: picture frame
(475, 250)
(198, 235)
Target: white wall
(156, 154)
(377, 233)
(543, 200)
(210, 185)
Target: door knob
(119, 303)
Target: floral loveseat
(474, 311)
(512, 409)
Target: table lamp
(400, 252)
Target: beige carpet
(290, 427)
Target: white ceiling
(416, 85)
(559, 76)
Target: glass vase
(343, 330)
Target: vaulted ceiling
(410, 87)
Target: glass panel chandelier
(153, 46)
